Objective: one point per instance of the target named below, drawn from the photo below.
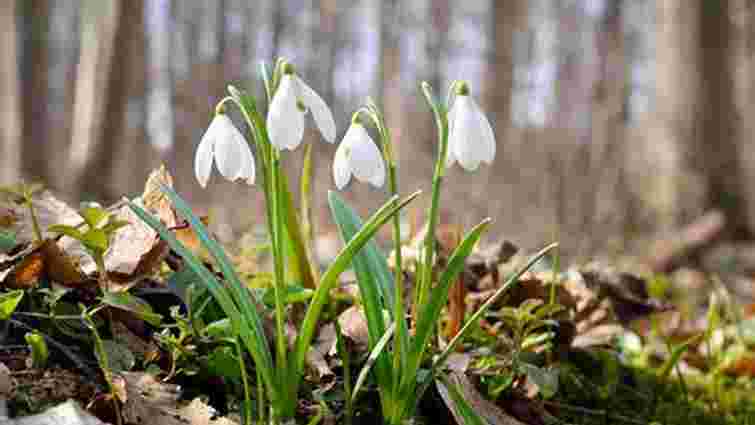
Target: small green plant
(38, 348)
(23, 194)
(103, 359)
(99, 227)
(530, 325)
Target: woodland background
(614, 118)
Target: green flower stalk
(358, 155)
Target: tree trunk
(10, 106)
(34, 66)
(608, 212)
(718, 148)
(99, 25)
(672, 191)
(129, 155)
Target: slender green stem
(104, 364)
(245, 382)
(373, 112)
(260, 397)
(441, 121)
(33, 215)
(278, 264)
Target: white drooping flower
(470, 136)
(285, 119)
(358, 155)
(223, 143)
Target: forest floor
(665, 337)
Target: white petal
(465, 139)
(486, 132)
(230, 149)
(341, 168)
(320, 111)
(450, 158)
(365, 158)
(285, 122)
(203, 156)
(378, 180)
(247, 166)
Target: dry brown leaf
(157, 403)
(601, 335)
(188, 237)
(7, 217)
(491, 413)
(28, 272)
(326, 340)
(742, 366)
(49, 211)
(52, 385)
(133, 342)
(68, 413)
(43, 260)
(136, 250)
(59, 266)
(155, 200)
(6, 381)
(353, 323)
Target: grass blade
(511, 281)
(409, 395)
(243, 297)
(430, 312)
(301, 266)
(253, 336)
(330, 277)
(461, 407)
(373, 277)
(374, 354)
(306, 209)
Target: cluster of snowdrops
(404, 360)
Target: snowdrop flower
(230, 150)
(359, 155)
(470, 136)
(285, 119)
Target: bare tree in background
(125, 113)
(10, 114)
(744, 17)
(34, 68)
(717, 150)
(672, 191)
(99, 24)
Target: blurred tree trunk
(499, 82)
(99, 25)
(34, 68)
(671, 189)
(10, 107)
(440, 25)
(718, 144)
(126, 111)
(160, 119)
(63, 45)
(745, 17)
(697, 114)
(507, 18)
(122, 134)
(608, 213)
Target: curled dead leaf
(353, 323)
(28, 272)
